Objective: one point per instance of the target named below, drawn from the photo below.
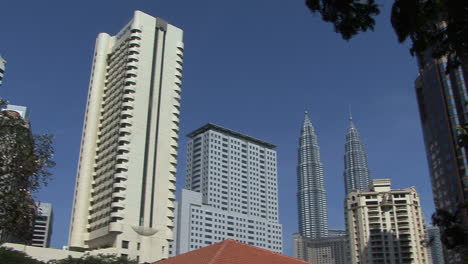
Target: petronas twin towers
(311, 195)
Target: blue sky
(251, 66)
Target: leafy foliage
(99, 259)
(25, 161)
(438, 25)
(454, 235)
(10, 256)
(349, 17)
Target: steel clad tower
(356, 173)
(311, 196)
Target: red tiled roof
(231, 252)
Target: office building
(42, 231)
(311, 195)
(435, 248)
(356, 173)
(2, 69)
(442, 101)
(385, 225)
(324, 250)
(125, 185)
(231, 191)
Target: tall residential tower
(125, 185)
(311, 196)
(231, 191)
(356, 173)
(385, 225)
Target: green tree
(25, 163)
(441, 25)
(99, 259)
(10, 256)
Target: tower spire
(356, 172)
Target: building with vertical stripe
(124, 194)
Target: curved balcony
(121, 166)
(129, 96)
(118, 204)
(123, 147)
(126, 113)
(134, 40)
(132, 71)
(169, 223)
(128, 104)
(118, 214)
(119, 185)
(119, 195)
(130, 80)
(121, 176)
(132, 64)
(125, 121)
(125, 139)
(125, 130)
(122, 157)
(133, 56)
(134, 49)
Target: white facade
(385, 226)
(42, 231)
(124, 194)
(2, 69)
(231, 191)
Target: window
(125, 244)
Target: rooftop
(232, 133)
(231, 252)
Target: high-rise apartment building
(231, 191)
(124, 194)
(42, 231)
(324, 250)
(385, 225)
(435, 248)
(442, 101)
(356, 173)
(2, 69)
(311, 195)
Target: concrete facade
(231, 191)
(42, 231)
(43, 254)
(385, 225)
(125, 185)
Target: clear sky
(251, 66)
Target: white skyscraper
(231, 191)
(385, 225)
(124, 194)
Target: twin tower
(311, 196)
